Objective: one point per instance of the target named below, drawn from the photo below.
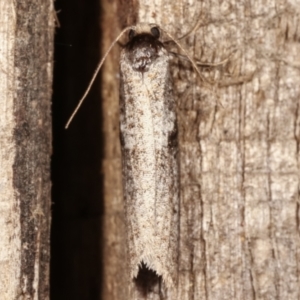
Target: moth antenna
(95, 74)
(197, 25)
(203, 64)
(185, 52)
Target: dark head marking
(155, 32)
(131, 34)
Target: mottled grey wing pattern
(149, 150)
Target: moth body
(148, 131)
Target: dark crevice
(76, 258)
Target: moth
(148, 134)
(148, 130)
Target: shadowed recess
(147, 280)
(76, 237)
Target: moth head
(144, 47)
(144, 28)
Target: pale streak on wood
(170, 15)
(10, 236)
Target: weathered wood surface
(26, 60)
(239, 149)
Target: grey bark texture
(239, 149)
(26, 49)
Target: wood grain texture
(239, 150)
(27, 29)
(33, 139)
(10, 210)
